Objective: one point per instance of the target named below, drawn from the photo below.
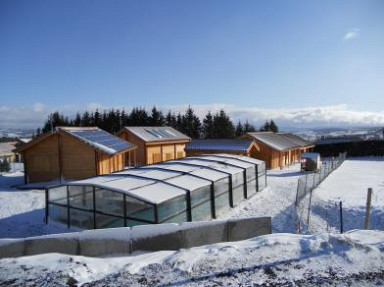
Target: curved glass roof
(160, 182)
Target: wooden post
(368, 209)
(341, 217)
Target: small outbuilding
(155, 144)
(73, 153)
(245, 147)
(275, 149)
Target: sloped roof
(6, 148)
(241, 145)
(298, 140)
(156, 134)
(99, 139)
(275, 141)
(93, 136)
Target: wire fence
(307, 184)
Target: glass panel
(261, 182)
(110, 202)
(131, 223)
(251, 188)
(81, 219)
(140, 210)
(105, 221)
(201, 204)
(58, 213)
(251, 173)
(237, 179)
(58, 194)
(238, 194)
(221, 186)
(81, 196)
(177, 219)
(222, 204)
(202, 212)
(172, 209)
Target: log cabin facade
(73, 153)
(277, 149)
(155, 144)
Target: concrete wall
(126, 240)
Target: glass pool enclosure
(189, 189)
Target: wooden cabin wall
(42, 161)
(200, 152)
(140, 151)
(78, 159)
(180, 150)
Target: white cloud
(38, 107)
(352, 34)
(335, 115)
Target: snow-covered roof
(297, 140)
(242, 158)
(240, 145)
(163, 181)
(189, 182)
(6, 148)
(99, 139)
(230, 161)
(275, 141)
(155, 134)
(215, 165)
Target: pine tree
(273, 127)
(170, 120)
(239, 129)
(139, 117)
(208, 126)
(86, 119)
(77, 121)
(4, 165)
(55, 119)
(191, 124)
(248, 128)
(157, 118)
(223, 126)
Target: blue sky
(245, 55)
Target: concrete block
(66, 243)
(12, 248)
(155, 237)
(245, 228)
(105, 241)
(203, 233)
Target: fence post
(341, 217)
(368, 209)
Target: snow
(323, 257)
(355, 258)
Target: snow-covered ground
(326, 258)
(355, 258)
(22, 211)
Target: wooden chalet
(245, 147)
(277, 150)
(155, 144)
(72, 153)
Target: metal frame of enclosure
(189, 189)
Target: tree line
(214, 125)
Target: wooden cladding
(63, 157)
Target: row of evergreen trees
(213, 126)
